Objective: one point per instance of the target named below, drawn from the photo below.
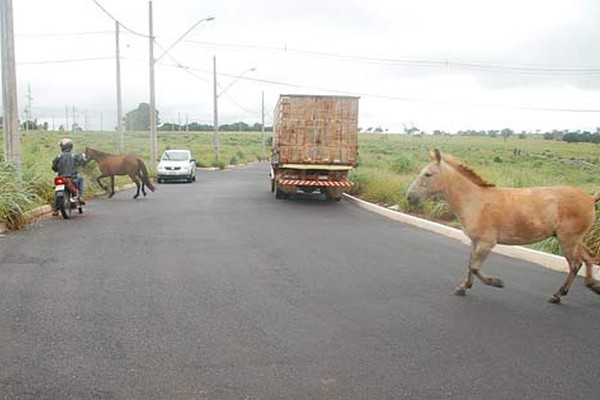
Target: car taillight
(59, 180)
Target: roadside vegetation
(40, 147)
(388, 163)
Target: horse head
(429, 181)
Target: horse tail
(145, 177)
(596, 197)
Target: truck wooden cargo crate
(315, 144)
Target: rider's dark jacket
(65, 164)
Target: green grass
(39, 148)
(388, 164)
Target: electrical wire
(117, 21)
(413, 62)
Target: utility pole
(12, 138)
(153, 138)
(74, 117)
(66, 119)
(216, 143)
(120, 132)
(27, 111)
(262, 128)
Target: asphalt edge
(541, 258)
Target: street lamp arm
(182, 36)
(235, 80)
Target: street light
(153, 135)
(216, 140)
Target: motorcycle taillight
(59, 180)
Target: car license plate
(59, 188)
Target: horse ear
(435, 155)
(432, 155)
(438, 156)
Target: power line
(117, 21)
(71, 60)
(63, 34)
(414, 62)
(407, 99)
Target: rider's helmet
(66, 144)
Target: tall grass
(17, 197)
(390, 162)
(40, 148)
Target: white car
(176, 165)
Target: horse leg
(479, 252)
(137, 185)
(574, 260)
(100, 182)
(112, 186)
(143, 185)
(592, 284)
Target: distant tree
(506, 133)
(29, 125)
(139, 119)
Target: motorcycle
(65, 197)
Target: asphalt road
(215, 290)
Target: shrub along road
(215, 290)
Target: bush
(17, 198)
(401, 165)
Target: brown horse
(111, 165)
(490, 215)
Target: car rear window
(175, 156)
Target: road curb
(546, 260)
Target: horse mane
(466, 171)
(100, 152)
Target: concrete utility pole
(120, 132)
(262, 128)
(28, 113)
(216, 144)
(12, 138)
(216, 139)
(153, 135)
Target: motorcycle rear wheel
(65, 205)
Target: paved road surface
(215, 290)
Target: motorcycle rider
(65, 164)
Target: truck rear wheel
(333, 194)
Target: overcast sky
(431, 64)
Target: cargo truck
(315, 145)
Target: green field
(39, 148)
(388, 163)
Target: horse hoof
(495, 282)
(554, 300)
(594, 286)
(460, 292)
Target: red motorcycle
(66, 197)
